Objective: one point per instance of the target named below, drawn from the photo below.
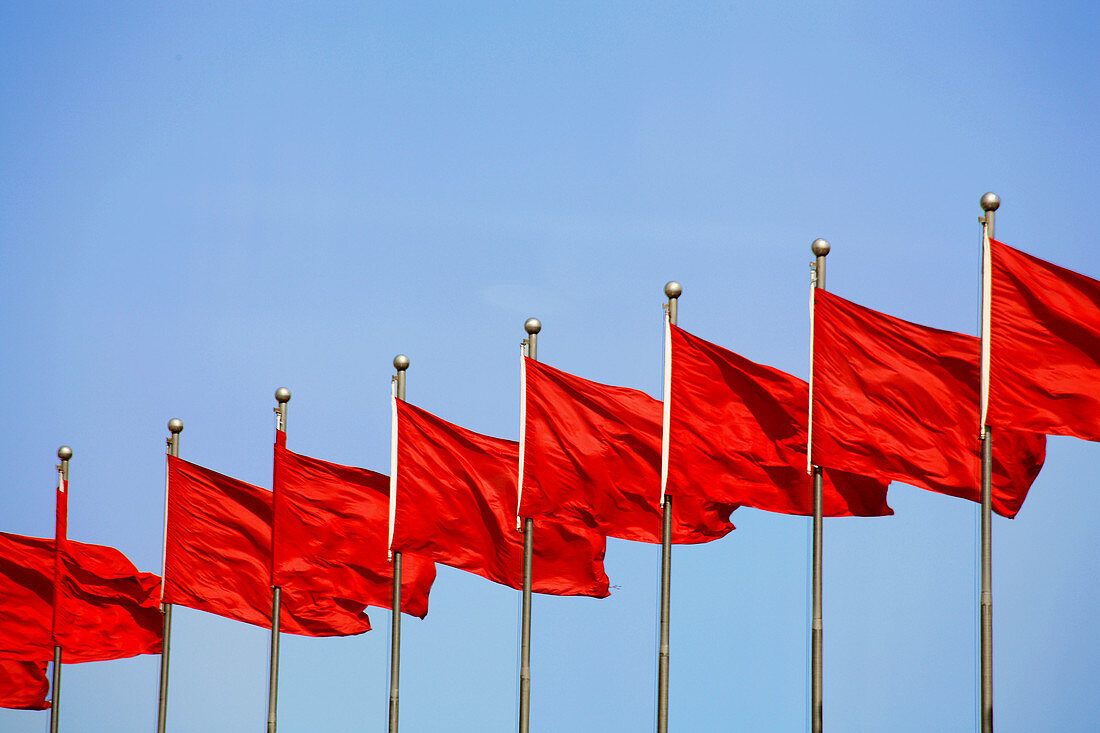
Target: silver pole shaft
(666, 584)
(174, 428)
(986, 599)
(395, 643)
(55, 704)
(532, 326)
(55, 683)
(162, 697)
(401, 364)
(816, 626)
(525, 637)
(282, 396)
(666, 606)
(273, 681)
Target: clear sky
(203, 202)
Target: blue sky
(202, 203)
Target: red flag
(332, 524)
(217, 557)
(23, 685)
(592, 458)
(900, 401)
(737, 433)
(1044, 346)
(456, 500)
(106, 608)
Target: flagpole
(672, 291)
(989, 203)
(532, 326)
(64, 453)
(820, 249)
(401, 364)
(175, 427)
(282, 396)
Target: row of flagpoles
(887, 400)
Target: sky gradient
(205, 202)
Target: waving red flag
(592, 457)
(106, 608)
(332, 525)
(217, 557)
(900, 401)
(737, 433)
(23, 685)
(456, 500)
(1044, 346)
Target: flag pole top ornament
(673, 289)
(282, 396)
(532, 326)
(64, 452)
(400, 362)
(175, 426)
(820, 247)
(990, 201)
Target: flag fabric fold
(27, 591)
(738, 434)
(455, 502)
(23, 685)
(106, 609)
(332, 523)
(106, 605)
(1044, 346)
(592, 458)
(218, 557)
(899, 401)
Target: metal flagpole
(532, 326)
(64, 453)
(989, 203)
(175, 427)
(672, 291)
(401, 364)
(282, 396)
(820, 249)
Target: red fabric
(218, 557)
(107, 609)
(26, 597)
(592, 457)
(23, 685)
(900, 401)
(1044, 346)
(61, 526)
(737, 433)
(60, 533)
(107, 605)
(456, 504)
(332, 524)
